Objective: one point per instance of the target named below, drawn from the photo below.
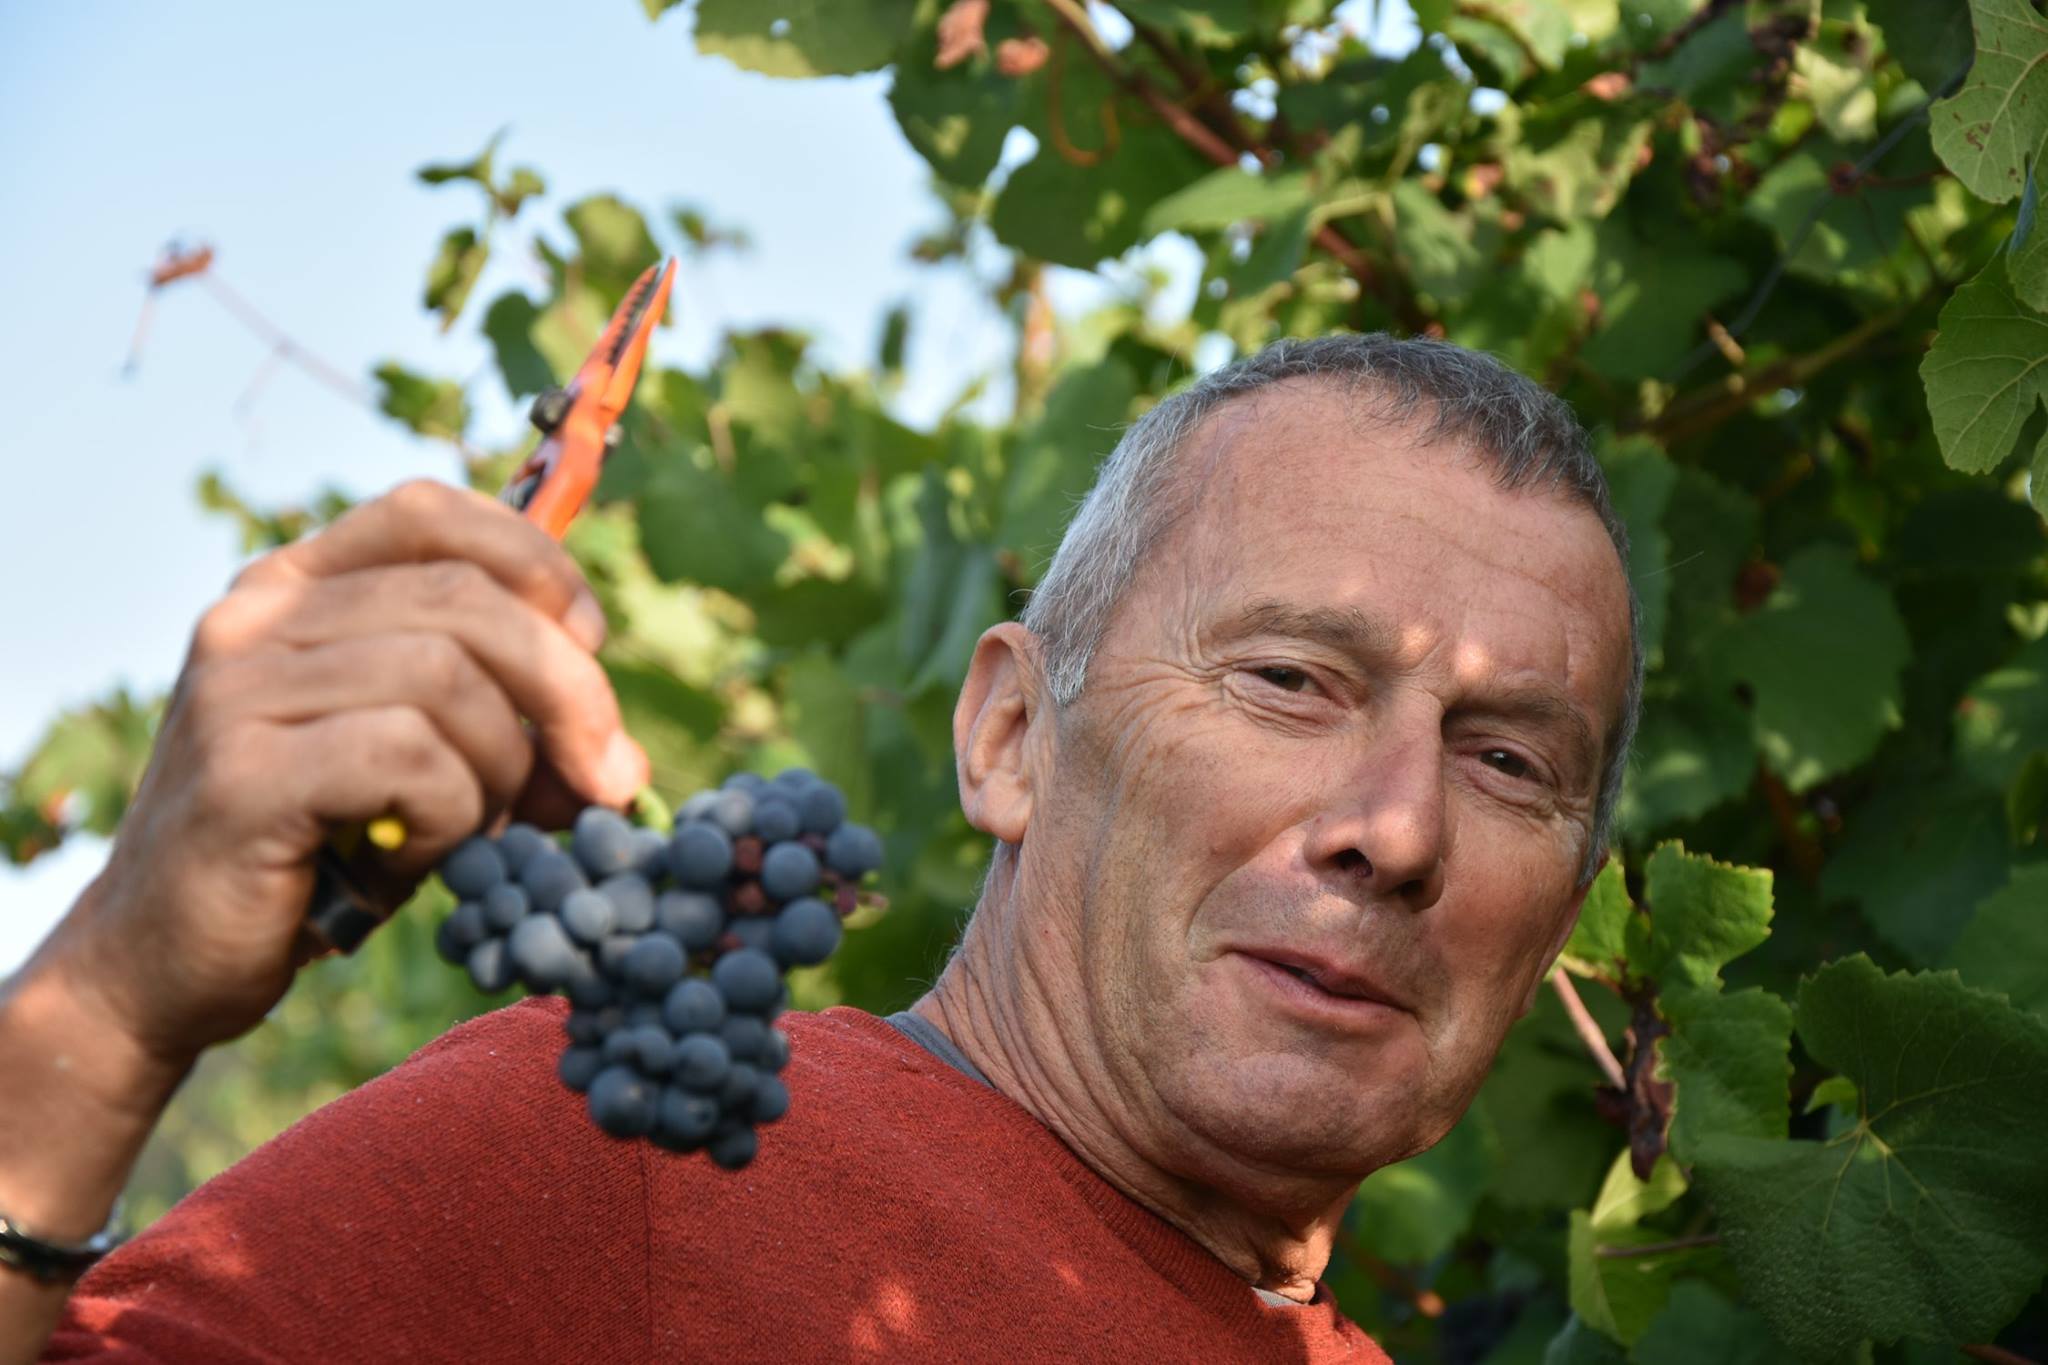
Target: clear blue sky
(286, 136)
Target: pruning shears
(579, 426)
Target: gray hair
(1527, 434)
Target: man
(1299, 765)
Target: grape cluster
(670, 948)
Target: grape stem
(1588, 1029)
(1997, 1355)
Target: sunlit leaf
(1989, 131)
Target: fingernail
(585, 621)
(624, 767)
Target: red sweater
(463, 1208)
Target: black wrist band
(51, 1262)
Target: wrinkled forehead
(1314, 492)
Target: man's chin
(1287, 1113)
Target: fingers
(376, 760)
(424, 521)
(547, 676)
(430, 672)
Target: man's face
(1316, 821)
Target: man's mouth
(1314, 982)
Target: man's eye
(1289, 679)
(1507, 761)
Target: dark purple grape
(448, 944)
(646, 1014)
(700, 855)
(733, 812)
(789, 870)
(588, 916)
(753, 784)
(549, 876)
(650, 854)
(698, 807)
(806, 933)
(822, 809)
(745, 1037)
(853, 851)
(587, 1028)
(691, 918)
(685, 1119)
(466, 927)
(611, 954)
(542, 952)
(771, 1099)
(579, 1067)
(732, 1145)
(655, 963)
(776, 819)
(774, 1054)
(518, 844)
(652, 1050)
(738, 1091)
(632, 901)
(617, 1048)
(701, 1062)
(621, 1102)
(490, 966)
(693, 1006)
(753, 931)
(602, 842)
(748, 979)
(586, 986)
(505, 905)
(793, 782)
(473, 867)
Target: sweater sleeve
(458, 1208)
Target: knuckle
(444, 665)
(422, 498)
(405, 743)
(221, 629)
(454, 583)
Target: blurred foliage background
(1779, 255)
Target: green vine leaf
(431, 407)
(1929, 38)
(453, 273)
(1928, 1218)
(1823, 655)
(1987, 374)
(2004, 947)
(1699, 1326)
(1728, 1056)
(1703, 915)
(1988, 131)
(793, 38)
(1620, 1295)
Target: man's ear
(1569, 922)
(992, 724)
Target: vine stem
(1704, 1239)
(1997, 1355)
(1588, 1028)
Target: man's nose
(1383, 825)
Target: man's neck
(1274, 1229)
